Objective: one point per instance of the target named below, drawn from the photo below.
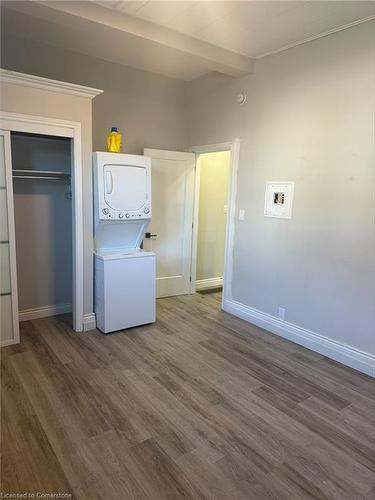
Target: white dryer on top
(123, 186)
(122, 193)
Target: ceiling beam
(213, 57)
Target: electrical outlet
(241, 215)
(281, 313)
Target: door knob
(151, 236)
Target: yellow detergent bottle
(114, 141)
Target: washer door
(125, 187)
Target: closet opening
(43, 213)
(211, 200)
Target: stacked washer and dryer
(124, 273)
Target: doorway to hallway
(212, 178)
(173, 232)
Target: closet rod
(41, 177)
(38, 173)
(46, 175)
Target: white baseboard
(89, 322)
(350, 356)
(208, 283)
(44, 312)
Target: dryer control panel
(108, 214)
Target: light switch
(225, 209)
(241, 215)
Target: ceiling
(251, 28)
(183, 40)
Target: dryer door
(125, 187)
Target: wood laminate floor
(200, 405)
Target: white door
(9, 332)
(172, 181)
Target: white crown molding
(38, 82)
(345, 354)
(315, 37)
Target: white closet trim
(62, 128)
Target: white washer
(124, 289)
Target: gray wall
(308, 119)
(43, 220)
(148, 109)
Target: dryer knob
(120, 216)
(127, 216)
(105, 211)
(146, 210)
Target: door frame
(15, 122)
(234, 148)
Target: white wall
(308, 119)
(213, 191)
